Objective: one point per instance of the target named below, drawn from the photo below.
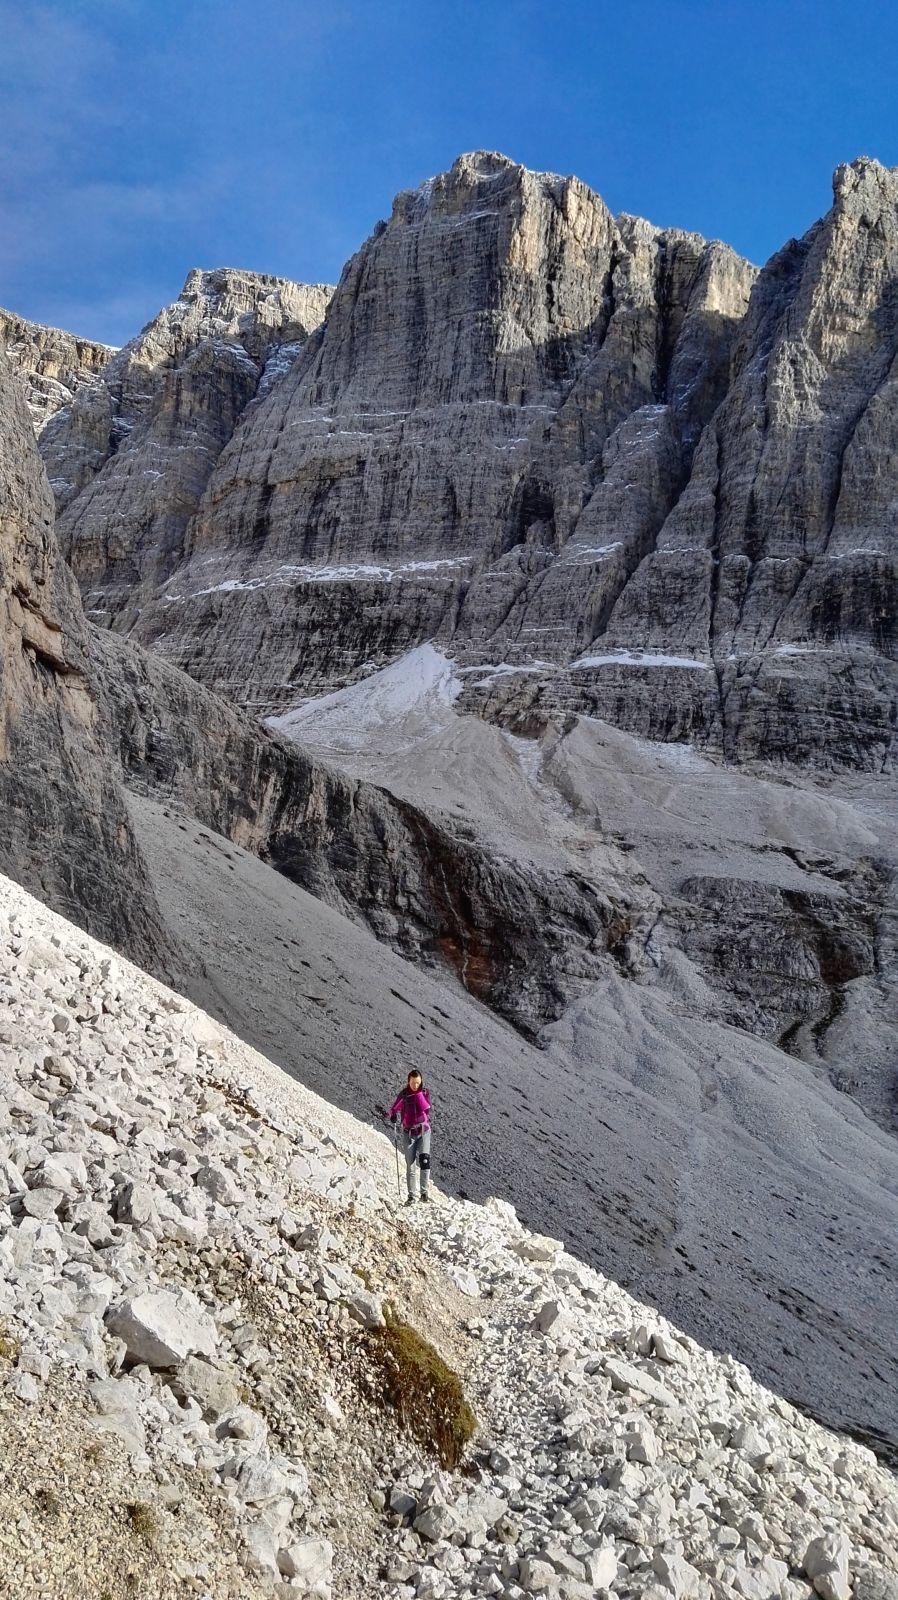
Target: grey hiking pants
(417, 1157)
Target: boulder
(215, 1388)
(308, 1563)
(162, 1327)
(630, 1379)
(826, 1564)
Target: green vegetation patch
(425, 1392)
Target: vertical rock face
(129, 460)
(492, 356)
(63, 827)
(658, 486)
(53, 365)
(776, 569)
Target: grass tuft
(9, 1346)
(144, 1520)
(426, 1394)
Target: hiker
(412, 1106)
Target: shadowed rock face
(64, 831)
(522, 935)
(130, 458)
(52, 364)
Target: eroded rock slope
(198, 1259)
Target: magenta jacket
(413, 1108)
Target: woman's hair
(415, 1072)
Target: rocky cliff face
(85, 714)
(130, 458)
(489, 353)
(53, 365)
(608, 455)
(63, 827)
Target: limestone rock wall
(129, 460)
(54, 365)
(63, 828)
(608, 454)
(489, 354)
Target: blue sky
(139, 138)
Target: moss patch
(426, 1394)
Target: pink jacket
(413, 1108)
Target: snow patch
(633, 658)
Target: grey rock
(63, 827)
(53, 365)
(215, 1388)
(308, 1563)
(135, 1204)
(150, 431)
(219, 1184)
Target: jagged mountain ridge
(128, 460)
(53, 364)
(612, 455)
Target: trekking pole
(396, 1148)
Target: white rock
(826, 1562)
(628, 1379)
(308, 1563)
(24, 1386)
(364, 1307)
(536, 1576)
(677, 1574)
(162, 1326)
(601, 1566)
(219, 1184)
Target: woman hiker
(412, 1106)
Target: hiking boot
(411, 1200)
(425, 1198)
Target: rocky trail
(198, 1259)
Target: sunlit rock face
(548, 439)
(53, 365)
(489, 355)
(130, 458)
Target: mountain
(614, 457)
(653, 975)
(139, 447)
(54, 365)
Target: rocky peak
(447, 431)
(865, 184)
(615, 457)
(147, 437)
(52, 364)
